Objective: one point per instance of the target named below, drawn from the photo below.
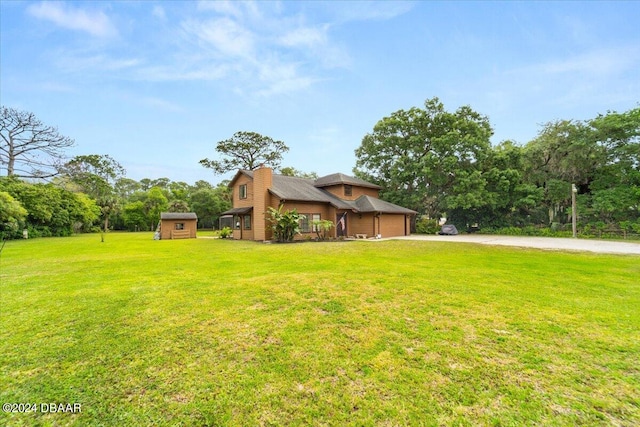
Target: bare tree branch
(28, 148)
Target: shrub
(285, 225)
(322, 226)
(225, 233)
(427, 226)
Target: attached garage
(177, 225)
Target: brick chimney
(262, 181)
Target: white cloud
(549, 88)
(224, 34)
(284, 86)
(77, 62)
(159, 12)
(159, 104)
(194, 72)
(255, 47)
(282, 77)
(601, 62)
(96, 23)
(223, 7)
(304, 37)
(369, 10)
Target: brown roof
(371, 204)
(297, 189)
(340, 178)
(306, 190)
(178, 215)
(237, 211)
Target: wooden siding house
(352, 204)
(176, 225)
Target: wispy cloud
(159, 104)
(273, 50)
(159, 13)
(369, 10)
(599, 62)
(589, 77)
(304, 37)
(80, 62)
(256, 48)
(198, 72)
(225, 35)
(96, 23)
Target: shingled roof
(291, 188)
(178, 215)
(340, 178)
(371, 204)
(307, 190)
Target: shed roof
(178, 215)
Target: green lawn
(218, 332)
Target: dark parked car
(448, 230)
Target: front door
(341, 224)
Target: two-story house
(351, 203)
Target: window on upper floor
(242, 191)
(348, 190)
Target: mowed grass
(212, 332)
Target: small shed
(178, 225)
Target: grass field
(216, 332)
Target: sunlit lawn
(219, 332)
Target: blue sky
(157, 84)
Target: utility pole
(574, 224)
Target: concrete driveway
(553, 243)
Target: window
(305, 223)
(348, 190)
(179, 225)
(243, 191)
(314, 217)
(247, 222)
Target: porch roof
(237, 211)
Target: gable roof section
(239, 174)
(371, 204)
(340, 178)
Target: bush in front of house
(322, 227)
(285, 225)
(225, 233)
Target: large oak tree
(421, 157)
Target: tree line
(442, 163)
(61, 207)
(436, 162)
